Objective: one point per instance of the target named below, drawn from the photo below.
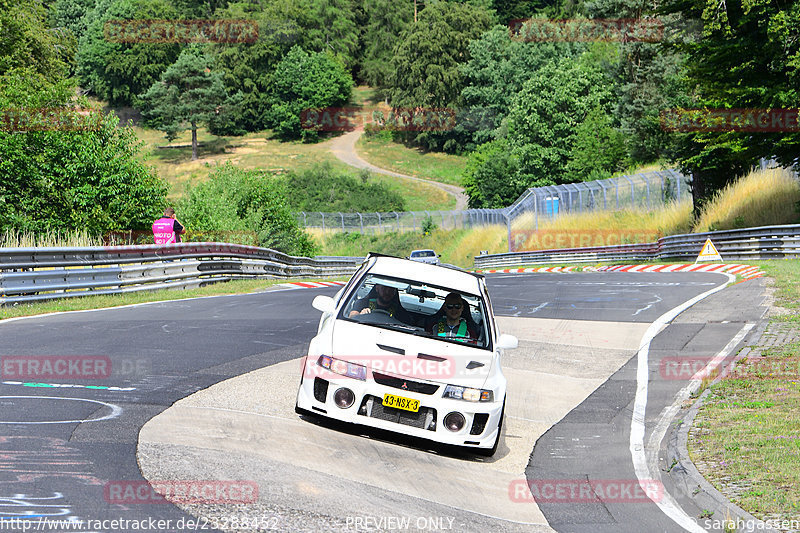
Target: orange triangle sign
(708, 253)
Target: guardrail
(35, 274)
(767, 242)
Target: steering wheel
(382, 311)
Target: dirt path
(344, 148)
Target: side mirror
(505, 341)
(324, 303)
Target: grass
(116, 300)
(412, 161)
(761, 198)
(15, 239)
(173, 161)
(745, 435)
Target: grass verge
(745, 437)
(412, 161)
(116, 300)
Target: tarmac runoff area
(315, 477)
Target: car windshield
(420, 309)
(423, 253)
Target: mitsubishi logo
(405, 386)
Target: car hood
(404, 354)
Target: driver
(382, 298)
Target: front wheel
(488, 452)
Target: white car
(410, 348)
(424, 256)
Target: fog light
(344, 398)
(454, 421)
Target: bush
(321, 188)
(237, 202)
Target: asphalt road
(54, 467)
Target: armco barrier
(767, 242)
(35, 274)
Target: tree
(425, 65)
(71, 15)
(330, 26)
(27, 41)
(234, 199)
(189, 93)
(386, 20)
(490, 178)
(746, 57)
(248, 67)
(304, 81)
(71, 178)
(496, 71)
(542, 122)
(119, 71)
(598, 150)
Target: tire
(488, 452)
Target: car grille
(398, 383)
(372, 407)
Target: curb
(310, 284)
(745, 271)
(685, 473)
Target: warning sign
(708, 253)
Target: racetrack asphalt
(569, 348)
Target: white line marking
(115, 410)
(640, 464)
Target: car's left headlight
(468, 394)
(345, 368)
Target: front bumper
(482, 419)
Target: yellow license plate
(398, 402)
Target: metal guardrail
(36, 274)
(767, 242)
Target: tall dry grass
(25, 239)
(763, 197)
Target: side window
(356, 277)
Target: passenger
(453, 321)
(382, 298)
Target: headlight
(344, 368)
(468, 394)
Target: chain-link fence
(646, 190)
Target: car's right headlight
(468, 394)
(345, 368)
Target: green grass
(746, 431)
(116, 300)
(412, 161)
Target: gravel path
(344, 148)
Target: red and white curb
(311, 284)
(745, 271)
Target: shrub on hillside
(235, 201)
(322, 188)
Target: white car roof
(435, 275)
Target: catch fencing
(645, 190)
(767, 242)
(36, 274)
